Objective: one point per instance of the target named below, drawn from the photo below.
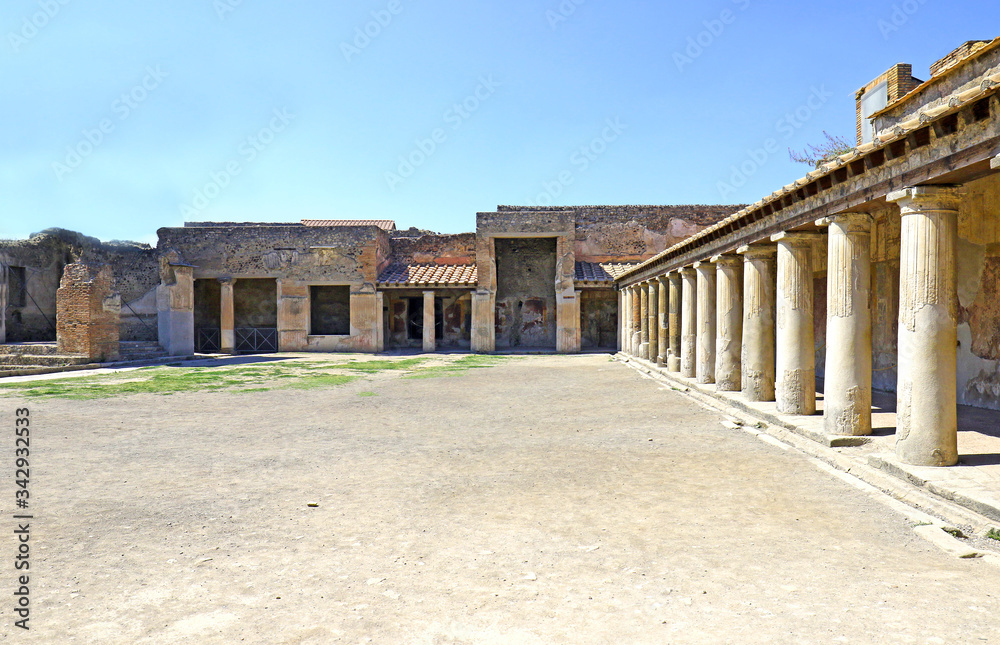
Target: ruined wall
(44, 255)
(434, 249)
(979, 294)
(87, 311)
(632, 233)
(599, 318)
(526, 292)
(296, 257)
(255, 303)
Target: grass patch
(374, 366)
(313, 381)
(457, 367)
(993, 534)
(367, 394)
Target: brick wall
(87, 312)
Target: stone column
(227, 322)
(705, 352)
(293, 316)
(3, 301)
(662, 340)
(674, 322)
(758, 321)
(636, 321)
(429, 340)
(626, 320)
(483, 322)
(729, 323)
(689, 322)
(654, 322)
(926, 407)
(795, 358)
(643, 320)
(847, 396)
(620, 331)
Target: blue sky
(125, 117)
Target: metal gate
(256, 340)
(207, 341)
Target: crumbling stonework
(87, 312)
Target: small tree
(818, 155)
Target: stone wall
(44, 256)
(526, 292)
(599, 318)
(456, 318)
(87, 312)
(435, 249)
(631, 233)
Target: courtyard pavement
(546, 499)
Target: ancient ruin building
(878, 270)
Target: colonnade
(745, 322)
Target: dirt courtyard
(536, 499)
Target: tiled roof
(450, 275)
(601, 271)
(384, 224)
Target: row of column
(744, 322)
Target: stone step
(42, 360)
(29, 349)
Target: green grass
(457, 367)
(295, 374)
(993, 534)
(367, 394)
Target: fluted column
(674, 322)
(847, 396)
(644, 320)
(663, 329)
(636, 324)
(758, 321)
(627, 329)
(689, 322)
(705, 352)
(654, 323)
(795, 358)
(729, 322)
(227, 317)
(926, 407)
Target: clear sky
(120, 118)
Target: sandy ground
(545, 500)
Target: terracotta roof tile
(416, 275)
(384, 224)
(601, 271)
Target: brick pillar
(227, 335)
(926, 407)
(87, 313)
(483, 322)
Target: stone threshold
(951, 493)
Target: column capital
(227, 281)
(726, 258)
(849, 222)
(685, 271)
(703, 265)
(995, 163)
(663, 279)
(927, 198)
(428, 292)
(757, 250)
(796, 237)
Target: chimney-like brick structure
(87, 313)
(900, 82)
